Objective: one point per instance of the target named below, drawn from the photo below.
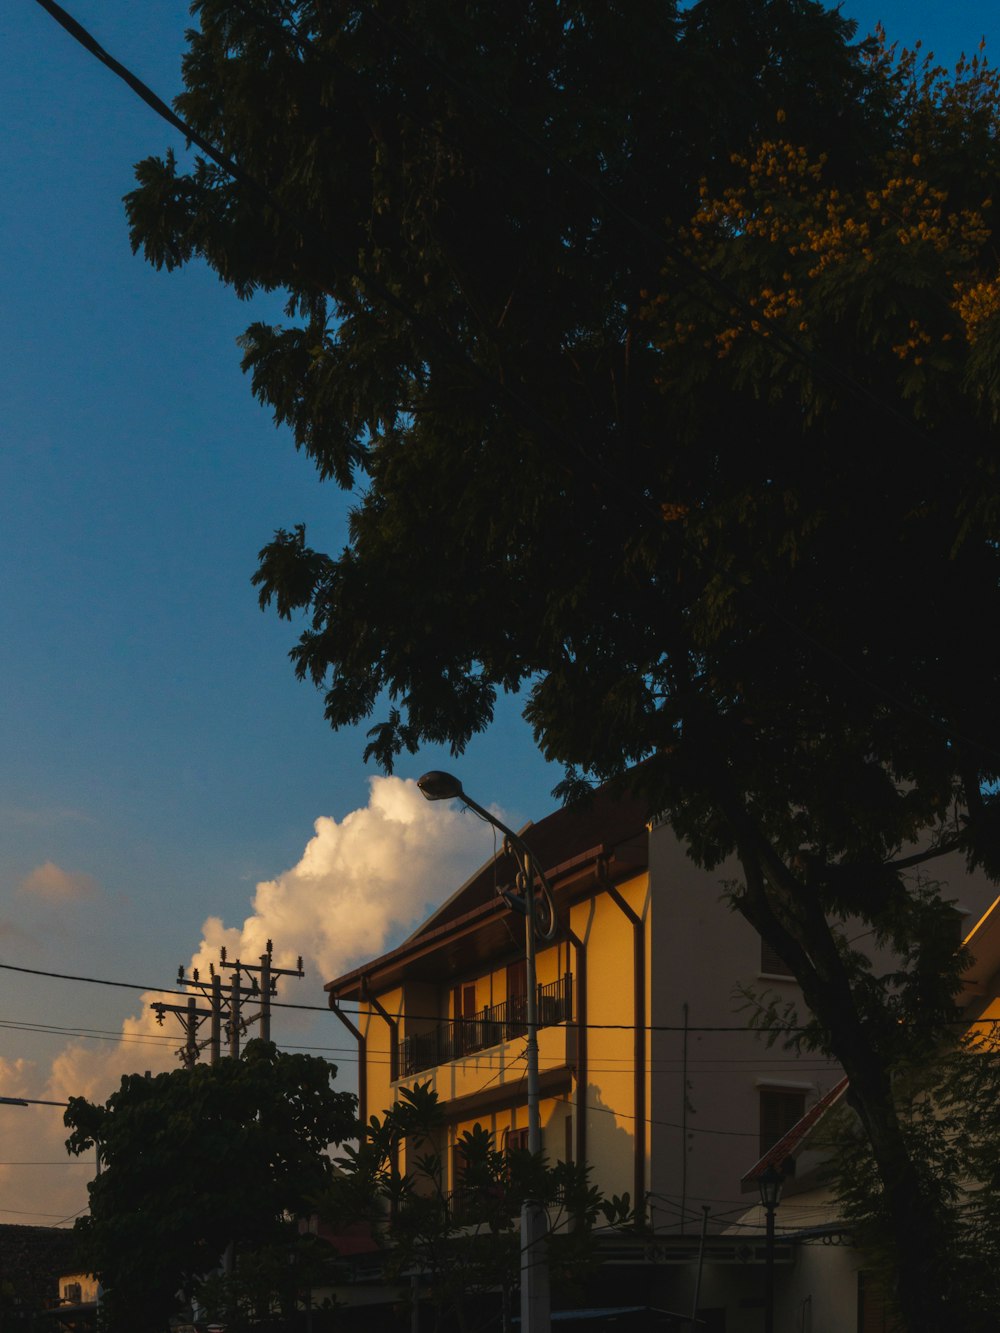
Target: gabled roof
(794, 1140)
(605, 821)
(606, 834)
(983, 945)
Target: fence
(489, 1027)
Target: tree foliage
(465, 1243)
(195, 1161)
(661, 347)
(948, 1111)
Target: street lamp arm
(438, 786)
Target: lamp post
(438, 786)
(770, 1182)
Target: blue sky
(157, 751)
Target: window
(459, 1166)
(464, 1009)
(517, 1141)
(517, 998)
(568, 1149)
(874, 1315)
(780, 1109)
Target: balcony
(490, 1027)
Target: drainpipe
(582, 1072)
(362, 1061)
(639, 1028)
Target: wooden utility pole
(191, 1019)
(226, 1009)
(264, 990)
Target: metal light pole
(769, 1181)
(535, 1307)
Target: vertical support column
(582, 1069)
(362, 1060)
(639, 1043)
(393, 1027)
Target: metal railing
(489, 1027)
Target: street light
(438, 786)
(769, 1181)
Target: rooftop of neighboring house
(31, 1260)
(983, 945)
(791, 1154)
(607, 834)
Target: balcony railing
(489, 1027)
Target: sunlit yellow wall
(985, 1031)
(87, 1283)
(376, 1032)
(491, 987)
(610, 1095)
(553, 1114)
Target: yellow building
(648, 1071)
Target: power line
(783, 1029)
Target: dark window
(466, 1031)
(517, 998)
(780, 1109)
(517, 1140)
(874, 1314)
(459, 1166)
(771, 962)
(568, 1150)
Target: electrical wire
(784, 1028)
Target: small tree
(464, 1242)
(195, 1161)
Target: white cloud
(360, 884)
(53, 884)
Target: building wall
(707, 1084)
(607, 935)
(78, 1288)
(707, 1080)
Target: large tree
(661, 349)
(199, 1160)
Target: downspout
(362, 1061)
(582, 1072)
(639, 1032)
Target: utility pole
(264, 990)
(191, 1019)
(229, 1010)
(541, 925)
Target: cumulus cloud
(361, 884)
(53, 884)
